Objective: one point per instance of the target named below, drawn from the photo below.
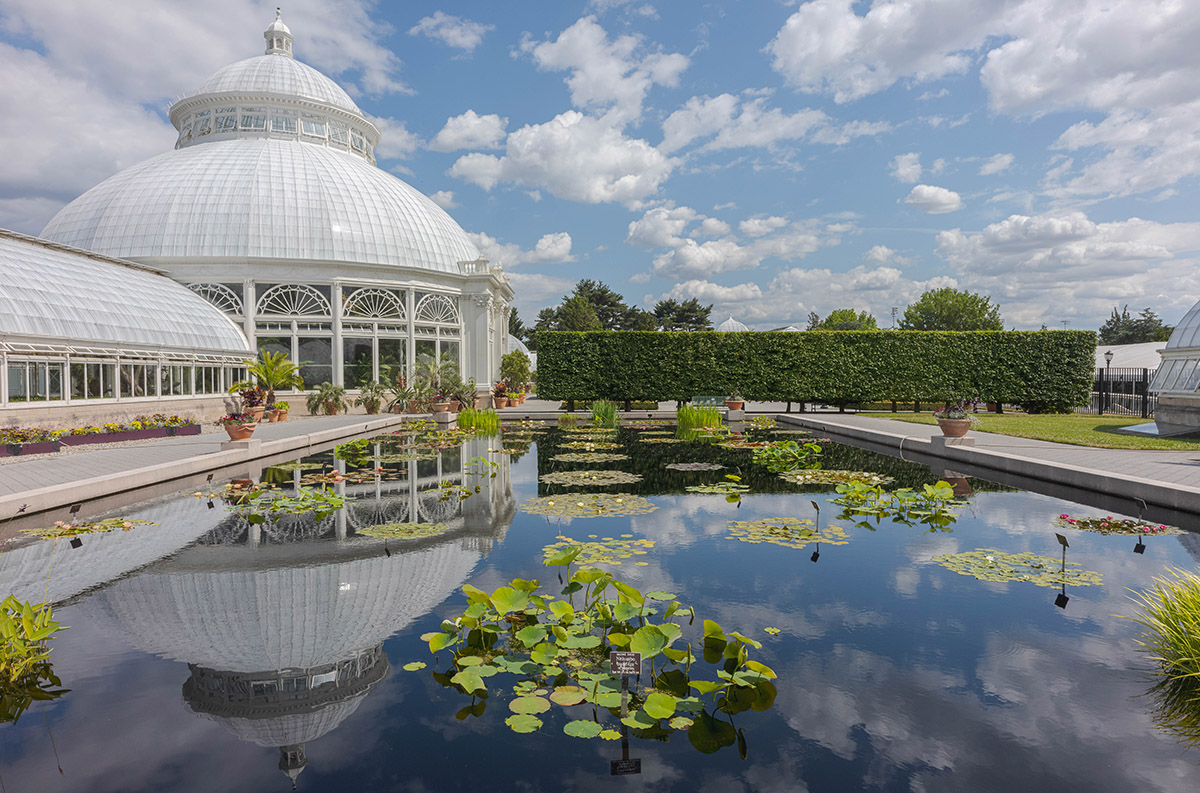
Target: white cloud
(575, 157)
(711, 227)
(934, 200)
(938, 166)
(997, 163)
(879, 254)
(826, 47)
(470, 131)
(660, 227)
(907, 167)
(1043, 268)
(462, 34)
(756, 227)
(444, 199)
(395, 142)
(606, 76)
(554, 248)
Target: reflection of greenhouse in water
(282, 624)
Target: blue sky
(771, 158)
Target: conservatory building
(1177, 381)
(272, 209)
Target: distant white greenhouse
(731, 325)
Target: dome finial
(279, 38)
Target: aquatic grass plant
(481, 422)
(604, 413)
(694, 417)
(1169, 614)
(558, 648)
(26, 674)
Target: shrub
(1046, 367)
(604, 413)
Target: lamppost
(1105, 385)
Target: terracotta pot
(962, 488)
(281, 415)
(954, 428)
(455, 406)
(240, 432)
(521, 399)
(269, 416)
(735, 404)
(257, 412)
(441, 407)
(501, 402)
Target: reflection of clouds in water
(1046, 714)
(905, 581)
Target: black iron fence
(1121, 391)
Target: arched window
(220, 296)
(293, 300)
(437, 308)
(374, 303)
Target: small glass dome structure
(731, 325)
(272, 208)
(1180, 369)
(70, 332)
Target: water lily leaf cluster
(588, 505)
(657, 439)
(694, 466)
(743, 443)
(761, 422)
(590, 478)
(258, 502)
(607, 550)
(65, 529)
(732, 488)
(404, 531)
(988, 564)
(780, 456)
(296, 465)
(786, 531)
(589, 457)
(654, 433)
(591, 446)
(1111, 525)
(557, 647)
(933, 505)
(831, 477)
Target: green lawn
(1071, 428)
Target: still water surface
(207, 654)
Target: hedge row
(1039, 368)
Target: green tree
(515, 326)
(952, 309)
(639, 319)
(843, 319)
(577, 314)
(688, 315)
(514, 369)
(1124, 329)
(609, 307)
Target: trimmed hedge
(1046, 369)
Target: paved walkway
(51, 480)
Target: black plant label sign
(623, 663)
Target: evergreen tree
(952, 309)
(608, 306)
(1124, 329)
(515, 326)
(577, 314)
(637, 319)
(688, 315)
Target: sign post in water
(625, 664)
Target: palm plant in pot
(239, 426)
(270, 372)
(954, 420)
(370, 396)
(329, 399)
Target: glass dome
(1180, 369)
(731, 325)
(278, 76)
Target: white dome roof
(274, 75)
(54, 295)
(263, 198)
(1187, 332)
(731, 325)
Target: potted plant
(370, 396)
(514, 398)
(735, 400)
(441, 403)
(329, 399)
(500, 395)
(240, 426)
(252, 401)
(954, 420)
(270, 372)
(281, 410)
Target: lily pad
(530, 705)
(987, 564)
(64, 529)
(826, 477)
(404, 531)
(608, 551)
(659, 705)
(414, 666)
(589, 457)
(568, 695)
(694, 466)
(787, 532)
(1111, 525)
(588, 505)
(589, 478)
(523, 722)
(581, 728)
(610, 735)
(720, 488)
(591, 446)
(680, 723)
(660, 440)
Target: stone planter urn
(240, 432)
(954, 428)
(735, 404)
(257, 412)
(501, 402)
(441, 407)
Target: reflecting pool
(224, 648)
